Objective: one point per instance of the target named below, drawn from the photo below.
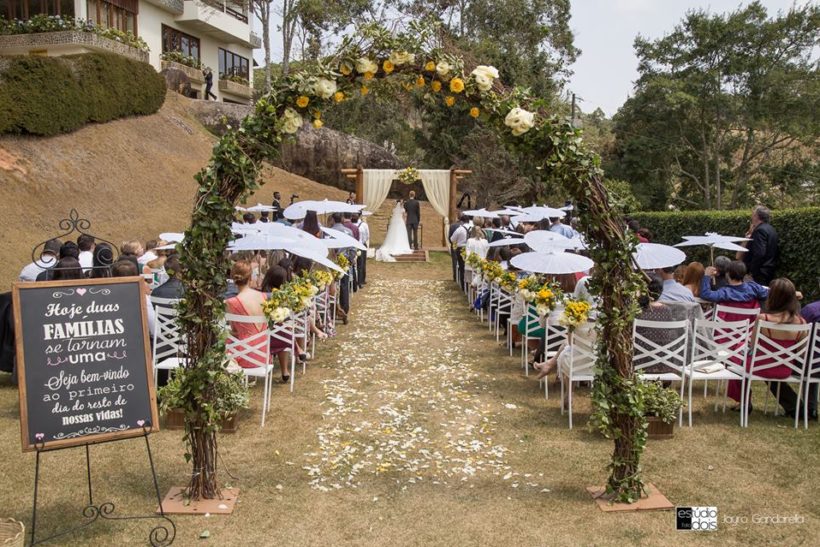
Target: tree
(717, 103)
(262, 9)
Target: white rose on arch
(399, 58)
(364, 65)
(484, 76)
(291, 121)
(520, 121)
(443, 68)
(324, 88)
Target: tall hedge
(51, 95)
(798, 232)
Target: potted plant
(661, 408)
(232, 396)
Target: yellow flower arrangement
(430, 66)
(321, 278)
(302, 101)
(508, 281)
(450, 100)
(473, 260)
(528, 287)
(343, 263)
(364, 90)
(436, 86)
(317, 123)
(388, 67)
(368, 75)
(345, 69)
(475, 112)
(545, 300)
(576, 312)
(339, 96)
(456, 85)
(491, 270)
(420, 82)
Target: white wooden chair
(504, 307)
(167, 345)
(578, 367)
(254, 350)
(530, 319)
(301, 331)
(718, 353)
(672, 354)
(812, 371)
(767, 354)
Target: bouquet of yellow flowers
(321, 278)
(508, 281)
(474, 261)
(527, 288)
(576, 312)
(280, 304)
(491, 270)
(409, 175)
(545, 300)
(304, 289)
(343, 263)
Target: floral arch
(404, 63)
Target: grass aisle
(413, 427)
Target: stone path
(405, 405)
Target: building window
(118, 14)
(174, 40)
(24, 9)
(231, 64)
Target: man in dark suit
(761, 258)
(413, 210)
(278, 212)
(454, 252)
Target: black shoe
(286, 379)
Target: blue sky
(605, 30)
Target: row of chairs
(714, 349)
(169, 347)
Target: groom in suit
(413, 210)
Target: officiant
(412, 210)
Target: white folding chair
(301, 329)
(729, 313)
(167, 345)
(672, 353)
(579, 367)
(255, 350)
(768, 353)
(504, 307)
(493, 304)
(530, 319)
(554, 337)
(812, 371)
(719, 346)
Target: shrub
(51, 95)
(181, 58)
(798, 233)
(55, 23)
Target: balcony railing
(235, 10)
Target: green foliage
(621, 193)
(181, 58)
(798, 233)
(724, 109)
(55, 23)
(52, 95)
(231, 394)
(661, 402)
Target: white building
(216, 32)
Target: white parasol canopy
(711, 239)
(541, 212)
(172, 237)
(300, 208)
(506, 242)
(651, 256)
(340, 240)
(258, 208)
(555, 262)
(546, 241)
(482, 213)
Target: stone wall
(57, 43)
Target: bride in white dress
(396, 242)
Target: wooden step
(415, 256)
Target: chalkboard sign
(83, 361)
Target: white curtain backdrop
(376, 186)
(437, 187)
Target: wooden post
(453, 195)
(359, 184)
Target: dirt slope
(132, 178)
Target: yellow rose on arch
(456, 85)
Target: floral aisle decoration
(508, 281)
(491, 271)
(528, 287)
(523, 123)
(321, 279)
(473, 260)
(546, 299)
(576, 312)
(343, 263)
(409, 175)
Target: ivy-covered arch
(404, 63)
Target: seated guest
(654, 309)
(132, 248)
(150, 253)
(311, 224)
(249, 218)
(248, 302)
(477, 244)
(721, 265)
(48, 258)
(66, 268)
(737, 293)
(693, 276)
(103, 260)
(673, 291)
(85, 243)
(68, 249)
(782, 307)
(173, 288)
(811, 313)
(127, 268)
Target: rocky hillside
(131, 178)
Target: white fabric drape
(377, 184)
(437, 187)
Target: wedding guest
(48, 258)
(477, 243)
(458, 240)
(67, 268)
(560, 228)
(173, 288)
(68, 249)
(644, 235)
(264, 217)
(149, 253)
(453, 254)
(721, 265)
(693, 276)
(132, 248)
(278, 210)
(364, 239)
(811, 313)
(738, 293)
(86, 243)
(249, 218)
(763, 251)
(351, 198)
(673, 291)
(274, 279)
(127, 268)
(103, 260)
(311, 224)
(654, 309)
(783, 308)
